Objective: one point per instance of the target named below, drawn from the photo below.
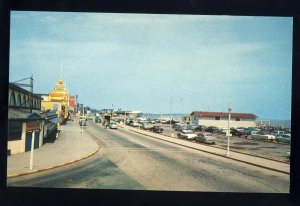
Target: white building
(220, 119)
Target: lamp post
(171, 115)
(125, 117)
(228, 131)
(84, 120)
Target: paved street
(128, 160)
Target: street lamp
(171, 115)
(80, 121)
(228, 131)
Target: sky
(158, 63)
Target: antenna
(60, 70)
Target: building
(130, 114)
(72, 106)
(24, 117)
(220, 119)
(58, 100)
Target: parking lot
(243, 144)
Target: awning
(55, 120)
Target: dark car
(235, 132)
(200, 128)
(172, 122)
(157, 129)
(211, 129)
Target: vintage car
(157, 129)
(113, 125)
(263, 136)
(205, 137)
(186, 134)
(283, 138)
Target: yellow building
(58, 100)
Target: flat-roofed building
(220, 119)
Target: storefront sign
(31, 126)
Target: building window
(217, 118)
(14, 131)
(18, 100)
(12, 100)
(38, 104)
(24, 102)
(238, 119)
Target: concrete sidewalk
(70, 146)
(249, 159)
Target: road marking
(138, 143)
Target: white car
(113, 125)
(186, 134)
(135, 124)
(263, 136)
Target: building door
(28, 140)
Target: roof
(16, 87)
(22, 114)
(224, 114)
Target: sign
(31, 126)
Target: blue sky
(142, 61)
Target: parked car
(263, 136)
(277, 133)
(135, 124)
(283, 138)
(205, 137)
(247, 131)
(200, 128)
(157, 129)
(254, 132)
(170, 121)
(177, 126)
(113, 125)
(211, 129)
(191, 127)
(146, 126)
(235, 132)
(152, 121)
(186, 134)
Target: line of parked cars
(148, 124)
(270, 134)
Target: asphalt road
(128, 160)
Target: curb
(53, 167)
